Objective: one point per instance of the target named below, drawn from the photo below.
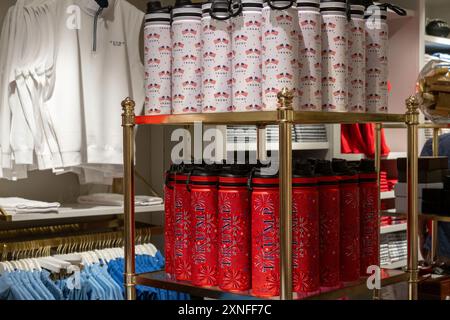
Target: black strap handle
(235, 7)
(274, 7)
(250, 179)
(398, 10)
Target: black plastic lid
(236, 171)
(187, 4)
(357, 2)
(367, 166)
(156, 7)
(303, 169)
(340, 167)
(325, 1)
(324, 168)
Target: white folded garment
(20, 205)
(113, 199)
(401, 189)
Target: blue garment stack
(102, 281)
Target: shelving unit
(393, 228)
(70, 211)
(284, 117)
(395, 265)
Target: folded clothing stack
(393, 248)
(431, 175)
(113, 199)
(437, 200)
(20, 206)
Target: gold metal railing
(284, 117)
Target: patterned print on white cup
(357, 60)
(246, 58)
(334, 57)
(216, 63)
(310, 62)
(186, 65)
(157, 56)
(377, 65)
(280, 53)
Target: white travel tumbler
(280, 51)
(377, 40)
(186, 58)
(246, 57)
(357, 59)
(158, 57)
(310, 57)
(216, 57)
(334, 55)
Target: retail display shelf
(160, 280)
(269, 117)
(426, 216)
(437, 43)
(393, 228)
(395, 265)
(274, 146)
(387, 195)
(75, 211)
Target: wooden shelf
(269, 117)
(76, 211)
(395, 265)
(160, 280)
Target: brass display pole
(434, 223)
(412, 122)
(128, 124)
(378, 127)
(285, 120)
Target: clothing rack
(284, 117)
(71, 243)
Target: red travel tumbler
(234, 231)
(329, 208)
(265, 234)
(182, 199)
(203, 187)
(169, 223)
(305, 231)
(349, 221)
(369, 220)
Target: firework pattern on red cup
(265, 238)
(310, 48)
(169, 221)
(279, 48)
(216, 62)
(204, 230)
(377, 64)
(305, 233)
(329, 198)
(186, 60)
(182, 226)
(234, 234)
(246, 58)
(369, 246)
(349, 229)
(334, 56)
(357, 60)
(157, 57)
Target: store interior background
(406, 56)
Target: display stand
(284, 117)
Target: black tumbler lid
(264, 172)
(367, 166)
(324, 168)
(340, 166)
(303, 169)
(186, 4)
